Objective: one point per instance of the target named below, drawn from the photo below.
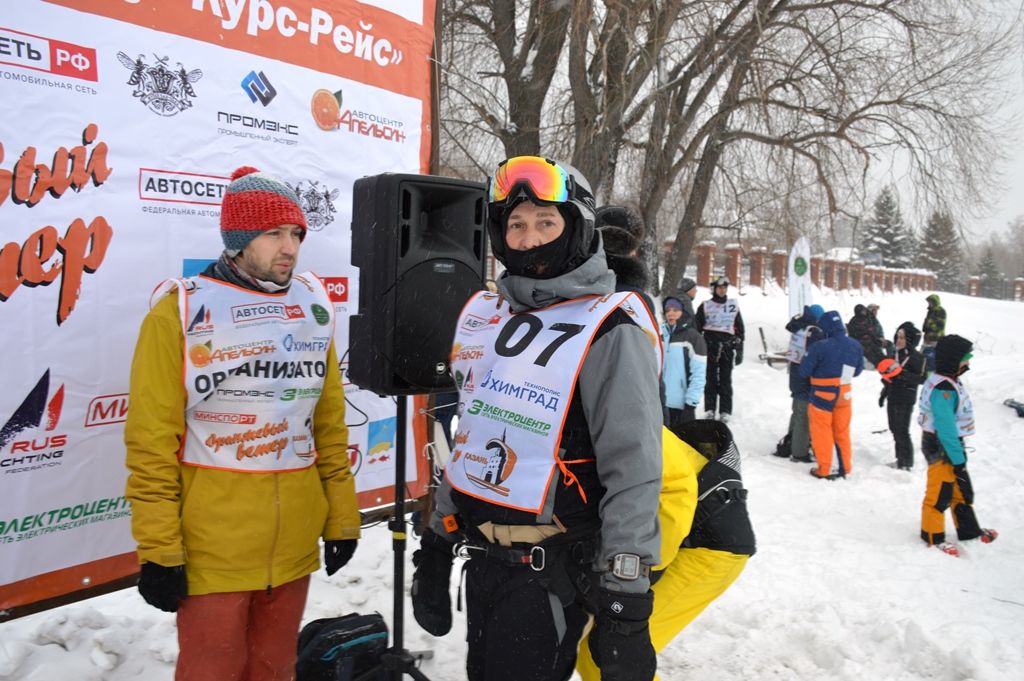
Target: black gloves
(963, 481)
(337, 553)
(882, 395)
(689, 413)
(739, 352)
(431, 601)
(163, 587)
(620, 641)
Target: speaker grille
(419, 242)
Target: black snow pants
(899, 413)
(718, 389)
(517, 628)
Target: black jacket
(903, 388)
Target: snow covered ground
(841, 586)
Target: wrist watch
(626, 566)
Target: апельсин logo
(258, 87)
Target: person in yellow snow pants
(702, 558)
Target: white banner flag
(799, 276)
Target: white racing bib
(516, 375)
(720, 316)
(797, 346)
(254, 369)
(964, 408)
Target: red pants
(828, 430)
(242, 635)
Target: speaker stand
(397, 660)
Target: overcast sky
(1008, 202)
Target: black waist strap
(538, 557)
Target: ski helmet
(721, 281)
(546, 183)
(889, 369)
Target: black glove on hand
(163, 587)
(337, 554)
(620, 641)
(689, 413)
(882, 395)
(963, 481)
(431, 600)
(739, 353)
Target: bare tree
(697, 109)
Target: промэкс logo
(163, 90)
(258, 87)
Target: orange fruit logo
(326, 109)
(199, 354)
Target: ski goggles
(545, 179)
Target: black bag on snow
(346, 648)
(782, 449)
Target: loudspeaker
(419, 242)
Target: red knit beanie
(254, 203)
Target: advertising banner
(123, 120)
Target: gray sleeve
(443, 506)
(619, 393)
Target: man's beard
(279, 278)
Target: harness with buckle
(534, 556)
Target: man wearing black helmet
(720, 321)
(552, 491)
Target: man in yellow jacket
(706, 537)
(237, 445)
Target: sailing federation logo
(317, 203)
(32, 410)
(163, 90)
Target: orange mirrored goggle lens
(545, 179)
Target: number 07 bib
(516, 375)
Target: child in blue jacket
(686, 359)
(946, 417)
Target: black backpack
(346, 648)
(782, 449)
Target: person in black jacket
(720, 321)
(864, 328)
(622, 232)
(688, 289)
(552, 492)
(901, 376)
